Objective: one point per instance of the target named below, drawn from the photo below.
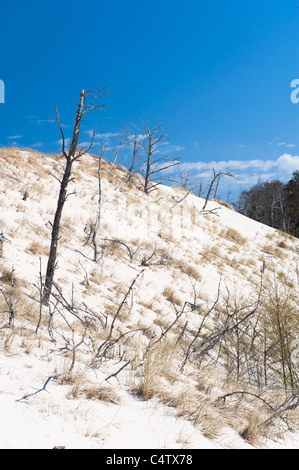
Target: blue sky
(216, 74)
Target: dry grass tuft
(186, 268)
(209, 419)
(223, 203)
(157, 372)
(94, 392)
(235, 236)
(37, 248)
(253, 431)
(170, 295)
(5, 275)
(273, 250)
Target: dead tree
(185, 178)
(215, 179)
(98, 216)
(73, 154)
(121, 142)
(135, 148)
(149, 142)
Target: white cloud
(167, 149)
(37, 144)
(43, 121)
(288, 163)
(67, 141)
(13, 137)
(103, 136)
(246, 172)
(15, 144)
(232, 165)
(84, 144)
(281, 143)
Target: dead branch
(178, 316)
(54, 377)
(208, 343)
(115, 374)
(216, 177)
(75, 347)
(109, 342)
(190, 349)
(123, 302)
(40, 288)
(273, 416)
(145, 261)
(113, 240)
(178, 201)
(289, 405)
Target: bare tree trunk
(55, 231)
(216, 189)
(134, 155)
(98, 217)
(150, 141)
(146, 178)
(215, 177)
(73, 154)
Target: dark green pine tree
(292, 198)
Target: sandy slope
(173, 237)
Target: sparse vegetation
(235, 236)
(150, 312)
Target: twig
(180, 200)
(122, 303)
(40, 288)
(178, 316)
(113, 240)
(287, 406)
(119, 370)
(40, 390)
(275, 414)
(189, 350)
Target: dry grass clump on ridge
(234, 236)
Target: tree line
(273, 203)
